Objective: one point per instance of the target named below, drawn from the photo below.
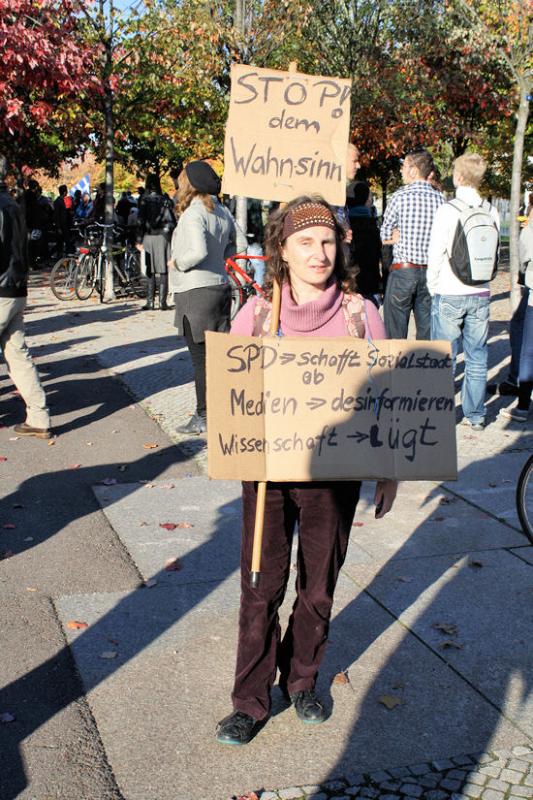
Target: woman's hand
(140, 247)
(384, 497)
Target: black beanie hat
(203, 177)
(360, 193)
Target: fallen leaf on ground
(172, 565)
(122, 468)
(475, 564)
(171, 526)
(7, 717)
(3, 458)
(249, 796)
(150, 583)
(150, 445)
(74, 466)
(357, 524)
(109, 654)
(446, 627)
(109, 481)
(341, 678)
(167, 486)
(143, 524)
(89, 444)
(14, 438)
(28, 539)
(493, 485)
(17, 505)
(31, 589)
(404, 579)
(9, 526)
(148, 485)
(389, 701)
(75, 625)
(51, 442)
(438, 519)
(449, 644)
(444, 501)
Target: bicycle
(524, 498)
(241, 280)
(63, 278)
(63, 274)
(91, 276)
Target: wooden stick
(261, 486)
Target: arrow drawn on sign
(358, 436)
(315, 402)
(286, 358)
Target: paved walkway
(428, 673)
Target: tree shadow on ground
(44, 691)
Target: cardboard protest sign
(301, 409)
(286, 135)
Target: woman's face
(310, 256)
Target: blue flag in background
(84, 185)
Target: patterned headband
(307, 215)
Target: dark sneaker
(26, 430)
(505, 389)
(308, 707)
(196, 425)
(238, 728)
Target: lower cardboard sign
(309, 409)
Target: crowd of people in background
(403, 264)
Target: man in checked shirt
(407, 225)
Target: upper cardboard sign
(286, 135)
(302, 409)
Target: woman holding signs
(304, 248)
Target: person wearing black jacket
(155, 224)
(13, 294)
(365, 247)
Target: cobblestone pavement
(501, 775)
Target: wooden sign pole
(261, 486)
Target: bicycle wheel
(524, 498)
(85, 275)
(63, 278)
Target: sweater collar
(312, 315)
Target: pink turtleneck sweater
(321, 317)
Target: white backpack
(474, 254)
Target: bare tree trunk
(109, 165)
(516, 185)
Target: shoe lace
(241, 721)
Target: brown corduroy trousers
(324, 513)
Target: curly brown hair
(187, 193)
(277, 268)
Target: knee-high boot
(163, 291)
(150, 294)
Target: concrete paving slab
(450, 602)
(526, 553)
(490, 483)
(426, 520)
(157, 703)
(207, 550)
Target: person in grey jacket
(204, 237)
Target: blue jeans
(407, 291)
(465, 317)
